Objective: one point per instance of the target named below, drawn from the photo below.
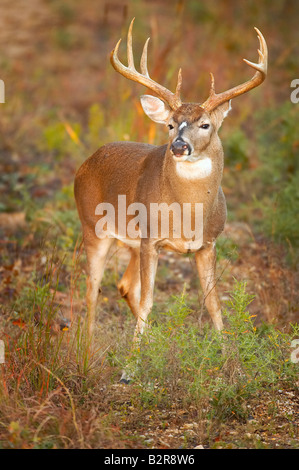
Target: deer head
(191, 125)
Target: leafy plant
(236, 150)
(222, 369)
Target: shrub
(222, 369)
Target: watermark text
(295, 93)
(156, 220)
(2, 352)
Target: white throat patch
(200, 169)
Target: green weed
(222, 369)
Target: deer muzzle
(179, 148)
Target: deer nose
(179, 147)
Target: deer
(187, 169)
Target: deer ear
(155, 108)
(220, 113)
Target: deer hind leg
(96, 254)
(129, 285)
(206, 266)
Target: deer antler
(173, 99)
(215, 100)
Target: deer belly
(181, 246)
(131, 242)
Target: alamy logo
(295, 353)
(158, 220)
(2, 352)
(2, 92)
(295, 94)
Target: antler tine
(143, 61)
(173, 99)
(263, 54)
(212, 88)
(215, 100)
(129, 47)
(179, 85)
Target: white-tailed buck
(186, 170)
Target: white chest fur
(199, 169)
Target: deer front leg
(148, 268)
(206, 266)
(148, 260)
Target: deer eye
(170, 126)
(205, 126)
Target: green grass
(223, 369)
(177, 362)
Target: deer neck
(200, 180)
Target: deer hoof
(125, 378)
